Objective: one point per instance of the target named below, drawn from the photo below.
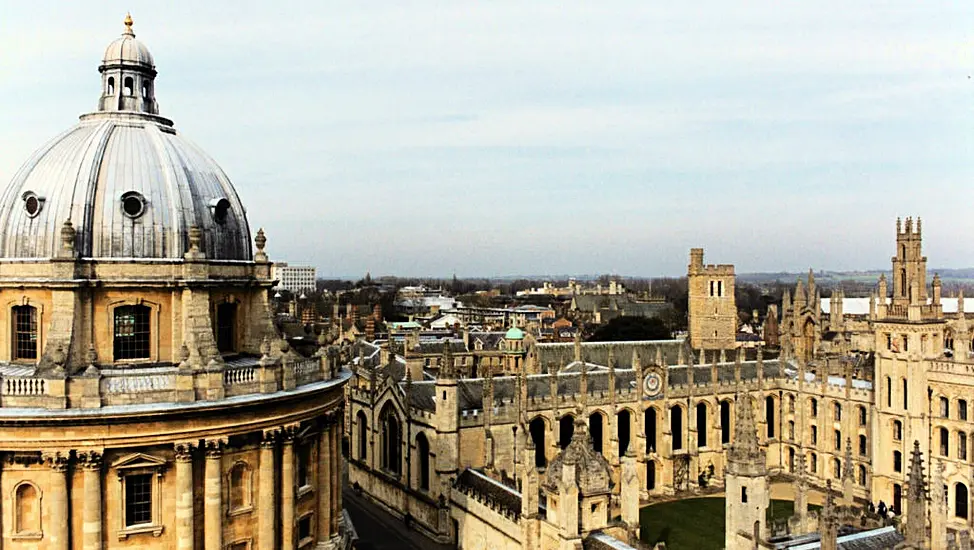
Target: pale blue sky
(503, 137)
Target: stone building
(842, 404)
(712, 308)
(146, 400)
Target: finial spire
(128, 24)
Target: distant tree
(631, 328)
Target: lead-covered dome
(130, 185)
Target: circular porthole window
(32, 203)
(220, 209)
(133, 204)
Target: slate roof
(884, 538)
(621, 304)
(553, 356)
(603, 541)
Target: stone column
(266, 520)
(336, 469)
(287, 487)
(91, 530)
(185, 515)
(213, 497)
(324, 483)
(59, 527)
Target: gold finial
(128, 23)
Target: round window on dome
(133, 204)
(32, 203)
(220, 209)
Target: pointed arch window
(25, 333)
(391, 442)
(423, 449)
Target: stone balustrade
(131, 385)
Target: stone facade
(712, 307)
(148, 401)
(843, 404)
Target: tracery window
(131, 339)
(25, 333)
(391, 442)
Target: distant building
(295, 278)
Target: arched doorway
(595, 423)
(538, 429)
(676, 427)
(701, 425)
(897, 498)
(650, 420)
(961, 500)
(566, 429)
(423, 450)
(623, 430)
(725, 422)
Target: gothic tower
(712, 308)
(909, 264)
(746, 481)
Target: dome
(126, 49)
(130, 185)
(514, 333)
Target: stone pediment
(139, 461)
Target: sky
(432, 138)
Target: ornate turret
(582, 480)
(128, 75)
(916, 512)
(746, 482)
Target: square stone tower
(712, 308)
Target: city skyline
(552, 139)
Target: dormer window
(220, 208)
(133, 204)
(32, 203)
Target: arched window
(862, 415)
(423, 450)
(813, 407)
(701, 425)
(129, 86)
(791, 403)
(363, 436)
(303, 452)
(537, 429)
(676, 427)
(791, 430)
(897, 430)
(27, 507)
(226, 321)
(791, 459)
(903, 290)
(566, 429)
(862, 475)
(111, 86)
(962, 445)
(25, 333)
(897, 498)
(650, 475)
(897, 461)
(813, 463)
(725, 422)
(906, 395)
(862, 445)
(837, 412)
(944, 407)
(391, 441)
(837, 439)
(814, 435)
(650, 420)
(595, 424)
(960, 500)
(131, 339)
(836, 468)
(145, 91)
(623, 430)
(240, 487)
(889, 392)
(944, 442)
(962, 409)
(769, 415)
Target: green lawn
(693, 524)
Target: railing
(243, 375)
(306, 371)
(138, 383)
(24, 386)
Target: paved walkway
(378, 530)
